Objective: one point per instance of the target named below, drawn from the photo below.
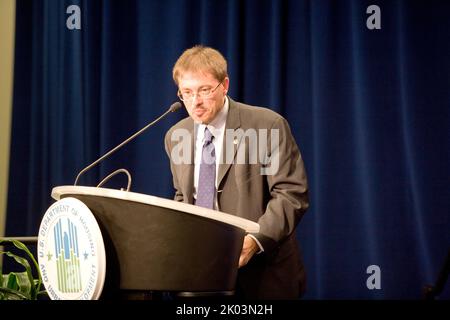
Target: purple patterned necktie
(207, 177)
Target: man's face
(203, 109)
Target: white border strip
(247, 225)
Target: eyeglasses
(203, 93)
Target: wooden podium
(156, 244)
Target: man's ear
(226, 84)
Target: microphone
(174, 107)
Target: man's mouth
(199, 111)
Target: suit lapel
(233, 122)
(187, 174)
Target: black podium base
(175, 295)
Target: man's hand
(249, 248)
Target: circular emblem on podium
(71, 253)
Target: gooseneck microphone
(174, 107)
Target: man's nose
(196, 100)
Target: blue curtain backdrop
(370, 110)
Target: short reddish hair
(200, 58)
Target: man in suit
(219, 171)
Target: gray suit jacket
(276, 201)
